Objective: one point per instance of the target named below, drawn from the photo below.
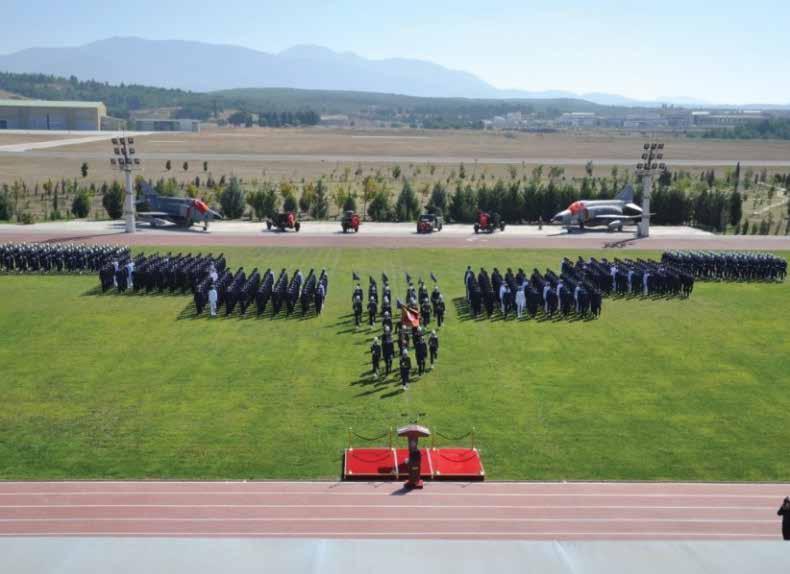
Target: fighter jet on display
(183, 211)
(611, 213)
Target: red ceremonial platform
(392, 463)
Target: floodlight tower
(650, 166)
(122, 148)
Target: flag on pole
(409, 316)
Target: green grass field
(132, 386)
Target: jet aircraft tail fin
(627, 195)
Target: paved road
(377, 158)
(564, 511)
(382, 235)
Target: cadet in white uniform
(130, 273)
(212, 300)
(521, 301)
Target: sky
(723, 52)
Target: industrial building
(165, 125)
(51, 115)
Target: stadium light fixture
(650, 166)
(123, 150)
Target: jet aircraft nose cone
(215, 214)
(561, 216)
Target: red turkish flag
(410, 316)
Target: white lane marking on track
(394, 506)
(385, 519)
(387, 493)
(430, 535)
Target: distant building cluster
(79, 116)
(668, 118)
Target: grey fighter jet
(183, 211)
(610, 213)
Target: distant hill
(204, 67)
(121, 100)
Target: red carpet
(390, 463)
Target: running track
(537, 511)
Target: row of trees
(275, 119)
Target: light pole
(650, 166)
(122, 148)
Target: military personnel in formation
(433, 347)
(386, 306)
(375, 355)
(372, 311)
(403, 340)
(386, 321)
(438, 310)
(357, 310)
(388, 349)
(421, 352)
(320, 295)
(213, 298)
(411, 295)
(405, 369)
(423, 292)
(425, 313)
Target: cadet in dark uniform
(386, 322)
(425, 313)
(784, 512)
(389, 350)
(439, 311)
(357, 310)
(433, 347)
(405, 369)
(421, 350)
(403, 341)
(372, 310)
(375, 355)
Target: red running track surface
(491, 510)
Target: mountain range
(204, 67)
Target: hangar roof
(48, 104)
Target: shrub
(407, 206)
(379, 208)
(232, 200)
(6, 210)
(81, 205)
(112, 201)
(350, 203)
(320, 207)
(289, 203)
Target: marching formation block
(391, 464)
